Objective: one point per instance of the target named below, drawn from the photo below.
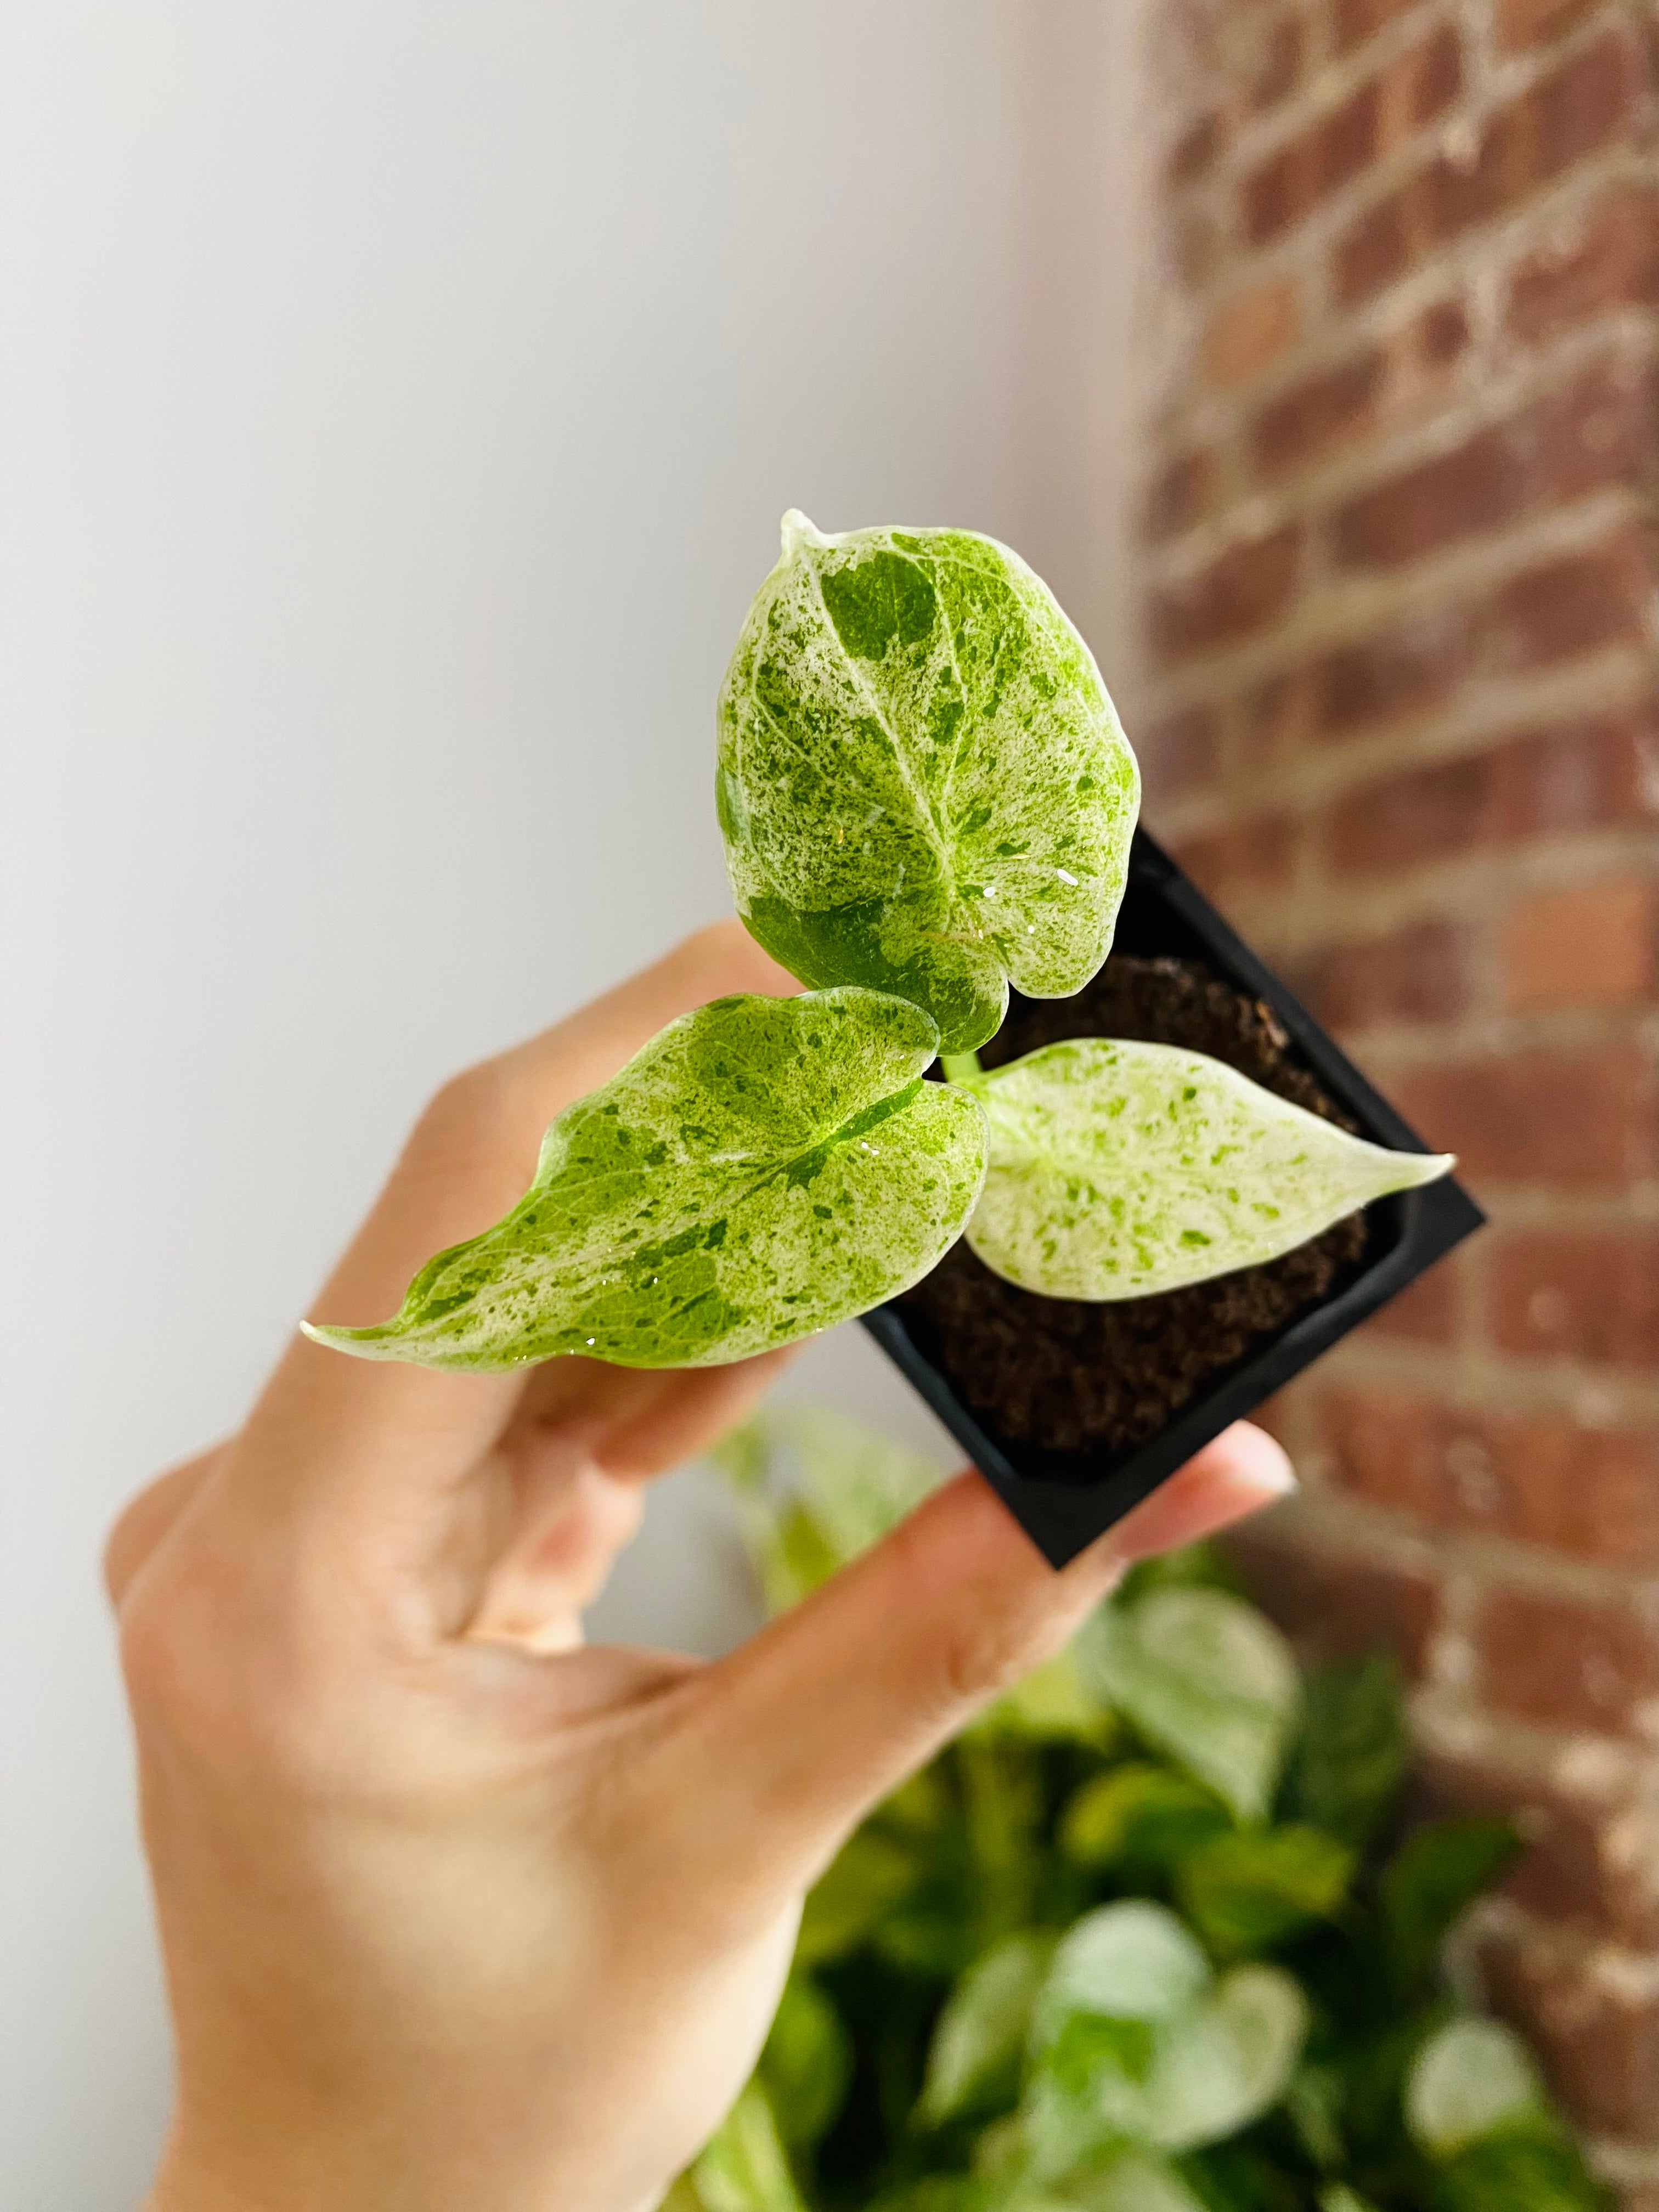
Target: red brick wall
(1399, 715)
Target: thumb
(832, 1705)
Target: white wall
(397, 402)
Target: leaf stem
(960, 1067)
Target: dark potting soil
(1069, 1376)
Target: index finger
(373, 1430)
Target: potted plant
(928, 806)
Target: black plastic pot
(1064, 1500)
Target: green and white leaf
(1132, 1961)
(981, 2033)
(763, 1168)
(1118, 1170)
(1203, 1678)
(743, 2168)
(812, 1488)
(922, 784)
(1470, 2080)
(1132, 2183)
(1051, 1704)
(1134, 2040)
(1229, 2062)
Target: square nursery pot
(1064, 1494)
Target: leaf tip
(361, 1343)
(798, 530)
(1418, 1167)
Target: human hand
(459, 1916)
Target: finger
(146, 1520)
(691, 1411)
(832, 1705)
(402, 1430)
(574, 1464)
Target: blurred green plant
(1142, 1939)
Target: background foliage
(1146, 1938)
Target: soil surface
(1074, 1377)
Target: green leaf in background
(1132, 2183)
(921, 784)
(866, 1882)
(1437, 1873)
(1521, 2173)
(763, 1168)
(806, 2064)
(1205, 1679)
(743, 2168)
(1139, 1820)
(981, 2034)
(1354, 1748)
(1250, 1891)
(1314, 2104)
(1470, 2080)
(1051, 1705)
(813, 1488)
(1117, 1170)
(928, 1928)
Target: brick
(1591, 1859)
(1611, 261)
(1252, 330)
(1584, 945)
(1245, 860)
(1596, 2031)
(1275, 716)
(1182, 753)
(1584, 104)
(1584, 774)
(1572, 605)
(1377, 246)
(1415, 87)
(1580, 1120)
(1241, 592)
(1476, 487)
(1357, 21)
(1420, 974)
(1591, 1492)
(1565, 1661)
(1279, 70)
(1577, 775)
(1421, 83)
(1426, 1312)
(1182, 495)
(1339, 1605)
(1198, 243)
(1440, 334)
(1590, 1295)
(1196, 152)
(1413, 665)
(1417, 815)
(1318, 162)
(1523, 23)
(1321, 412)
(1593, 432)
